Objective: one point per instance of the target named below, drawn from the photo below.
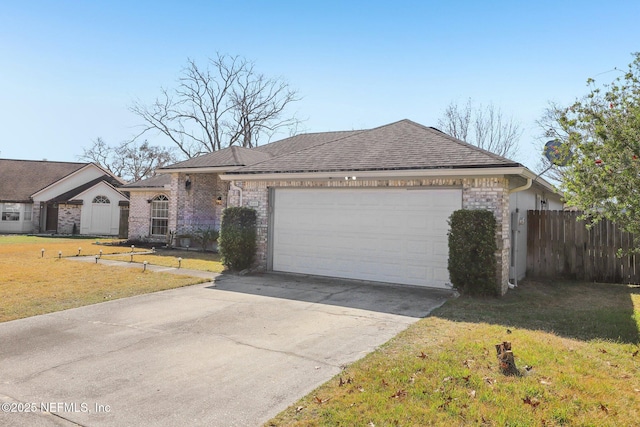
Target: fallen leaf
(602, 350)
(361, 389)
(371, 424)
(635, 353)
(637, 390)
(604, 408)
(468, 363)
(528, 368)
(317, 367)
(321, 401)
(341, 383)
(545, 382)
(508, 331)
(422, 355)
(399, 394)
(489, 381)
(299, 409)
(446, 379)
(446, 402)
(529, 401)
(384, 383)
(472, 393)
(466, 378)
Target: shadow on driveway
(411, 301)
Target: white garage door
(386, 235)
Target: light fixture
(144, 266)
(187, 182)
(179, 262)
(97, 258)
(59, 254)
(100, 253)
(219, 200)
(79, 250)
(42, 253)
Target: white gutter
(522, 187)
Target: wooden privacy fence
(561, 246)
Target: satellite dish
(556, 153)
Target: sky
(70, 70)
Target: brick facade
(69, 219)
(190, 209)
(477, 193)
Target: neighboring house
(59, 197)
(370, 204)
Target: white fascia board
(393, 174)
(111, 188)
(216, 169)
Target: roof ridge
(47, 161)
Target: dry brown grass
(31, 284)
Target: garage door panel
(390, 235)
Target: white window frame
(159, 218)
(11, 212)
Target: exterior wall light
(187, 182)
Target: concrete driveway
(232, 353)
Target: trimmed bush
(472, 252)
(237, 240)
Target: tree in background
(602, 132)
(226, 103)
(130, 161)
(485, 127)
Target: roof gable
(76, 192)
(400, 145)
(20, 179)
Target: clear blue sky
(69, 70)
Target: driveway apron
(233, 352)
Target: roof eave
(205, 169)
(466, 172)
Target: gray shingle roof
(302, 142)
(400, 145)
(230, 156)
(19, 179)
(158, 181)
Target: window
(11, 212)
(160, 215)
(101, 199)
(27, 212)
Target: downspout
(515, 235)
(234, 187)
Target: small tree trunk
(505, 359)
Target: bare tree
(130, 160)
(485, 127)
(227, 103)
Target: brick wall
(69, 219)
(140, 213)
(197, 207)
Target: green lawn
(576, 345)
(34, 282)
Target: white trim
(72, 174)
(392, 174)
(162, 188)
(111, 187)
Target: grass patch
(580, 340)
(32, 284)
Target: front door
(52, 217)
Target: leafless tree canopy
(485, 127)
(227, 103)
(131, 161)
